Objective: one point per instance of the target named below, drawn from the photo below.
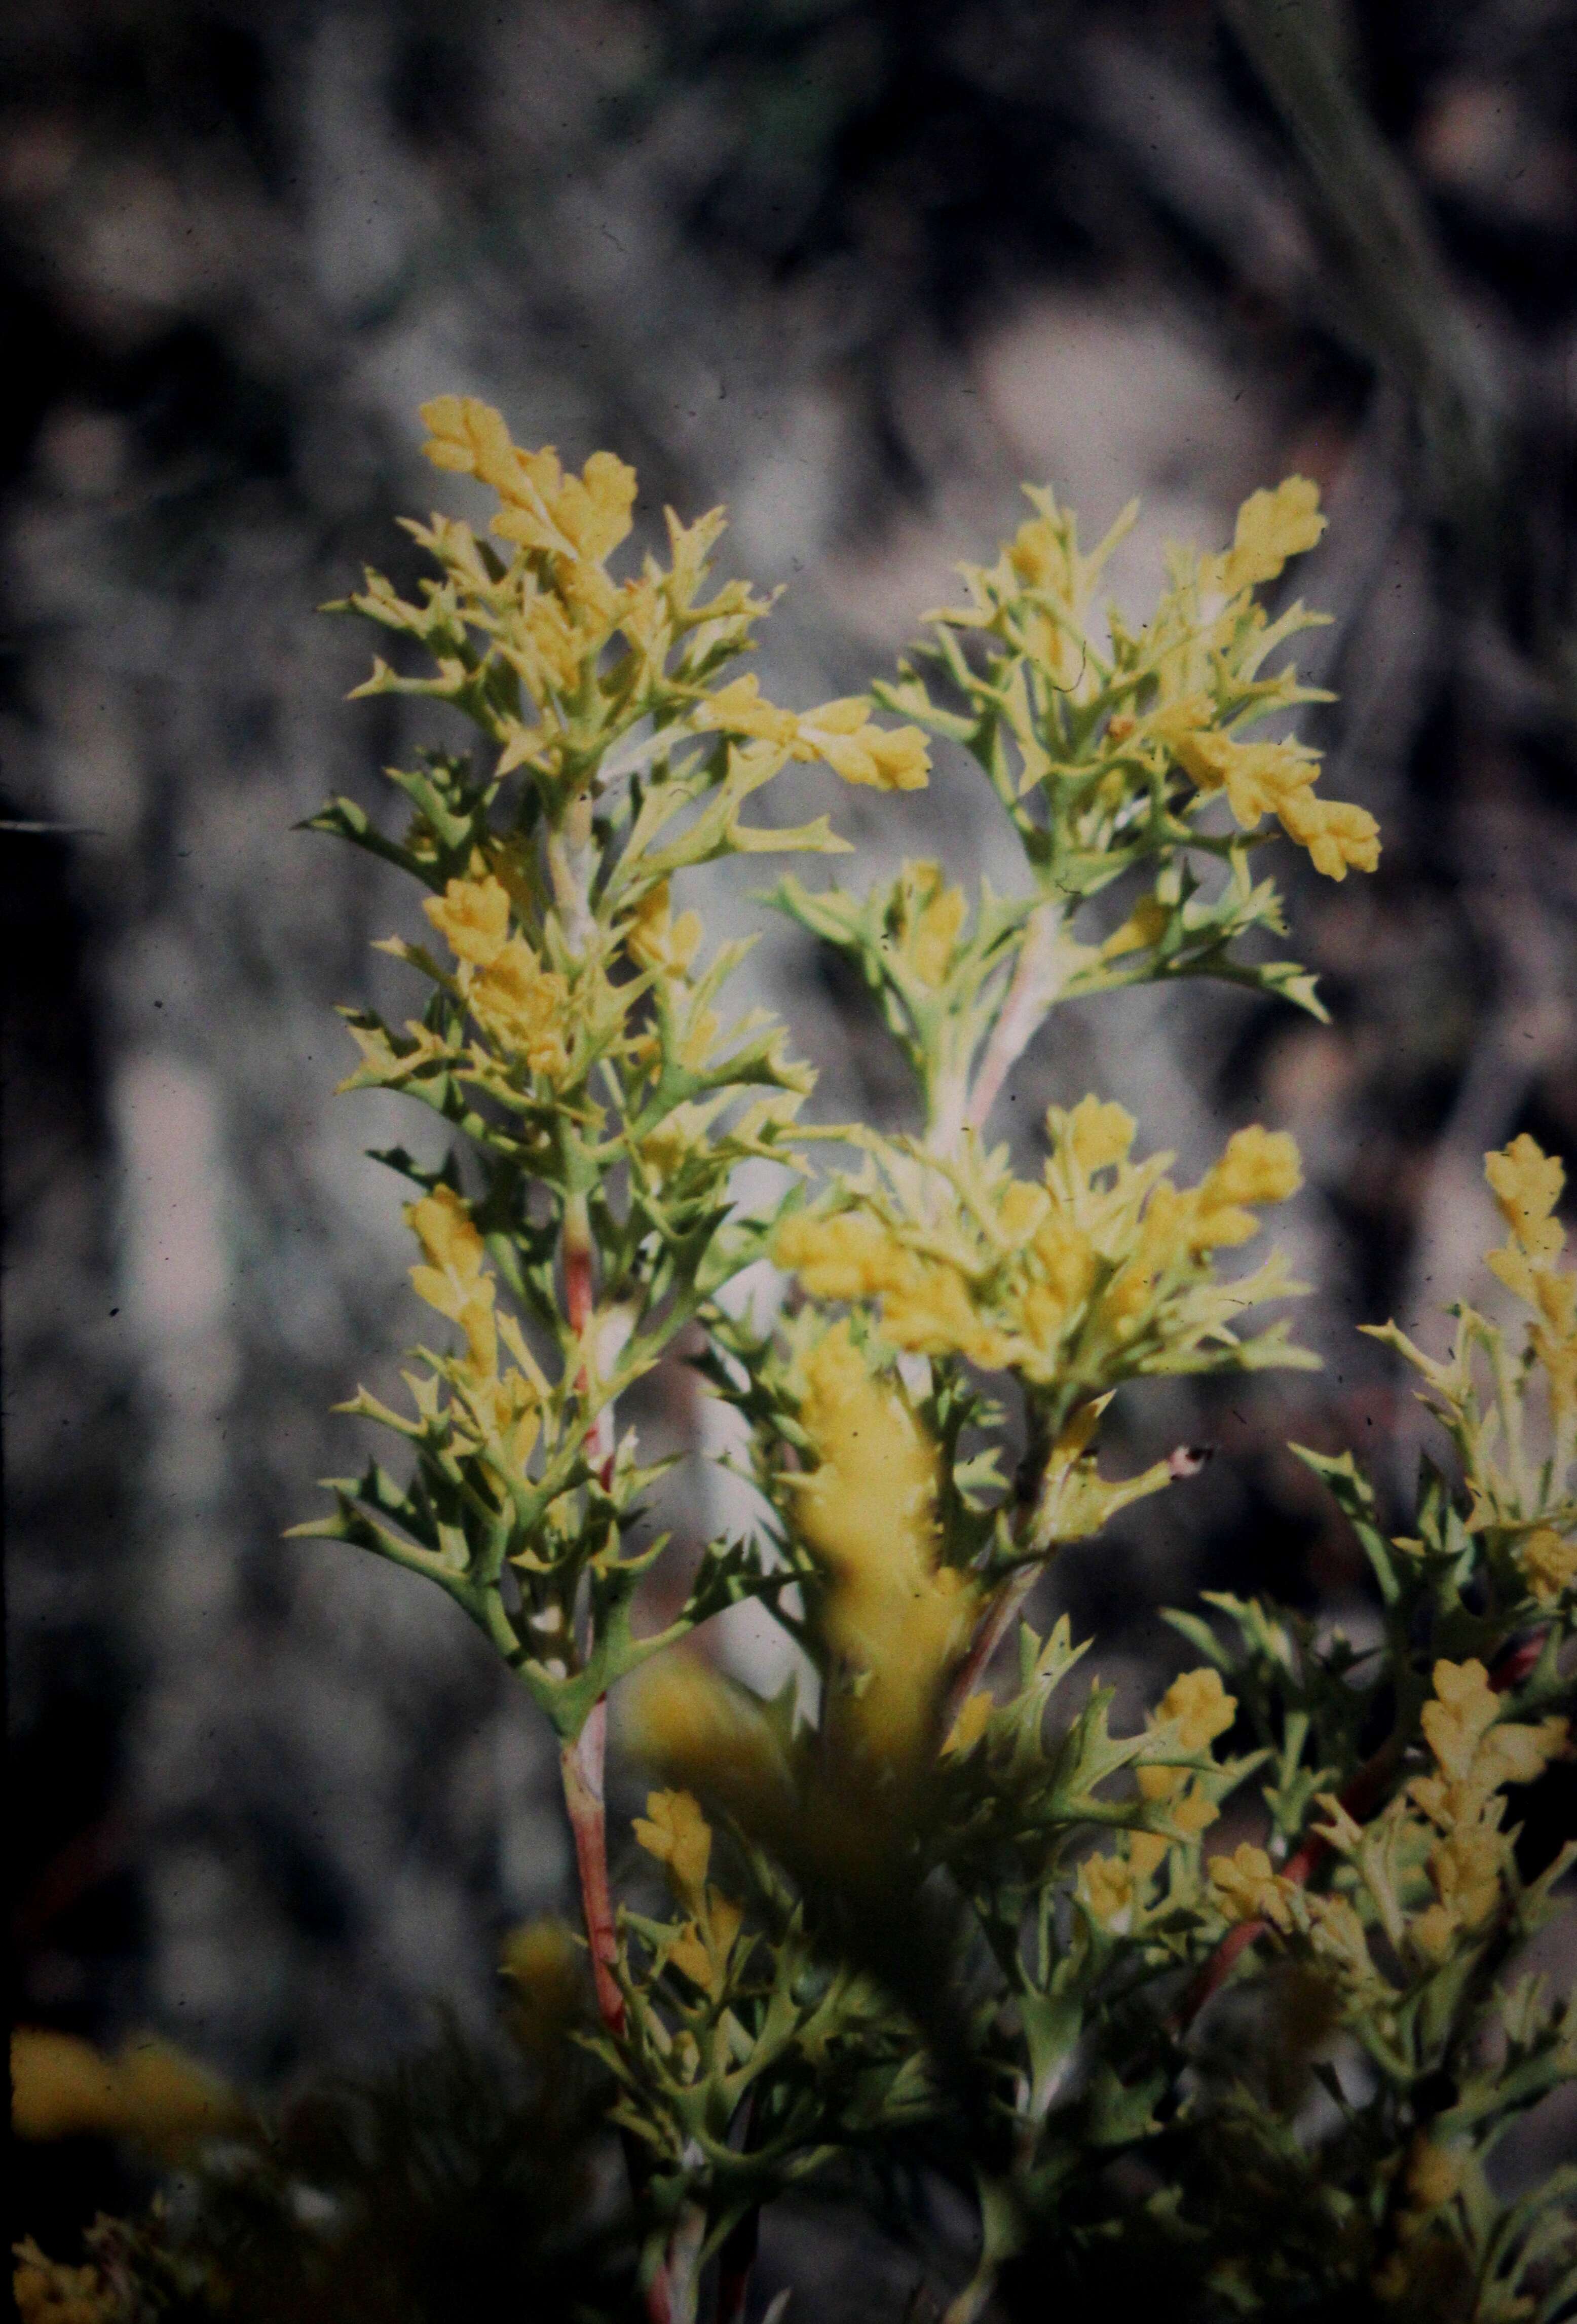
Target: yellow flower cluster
(1528, 1184)
(521, 1006)
(1476, 1755)
(844, 734)
(676, 1833)
(1192, 1713)
(578, 519)
(1200, 657)
(928, 919)
(1086, 1276)
(867, 1513)
(1516, 1465)
(547, 617)
(504, 1406)
(1261, 779)
(1272, 526)
(1448, 1820)
(1037, 595)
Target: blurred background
(857, 267)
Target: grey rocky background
(856, 269)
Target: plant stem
(735, 2260)
(998, 1621)
(581, 1765)
(1036, 981)
(1185, 1461)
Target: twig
(999, 1620)
(1185, 1461)
(1036, 981)
(581, 1765)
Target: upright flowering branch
(571, 1043)
(921, 1428)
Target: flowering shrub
(928, 1911)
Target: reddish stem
(581, 1765)
(1186, 1460)
(734, 2263)
(1362, 1796)
(993, 1629)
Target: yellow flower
(507, 1410)
(869, 1504)
(850, 1257)
(741, 708)
(470, 438)
(1108, 1890)
(1337, 834)
(583, 517)
(1097, 1133)
(538, 638)
(522, 1006)
(1051, 1299)
(678, 1835)
(62, 2087)
(1199, 1708)
(1272, 526)
(1456, 1722)
(931, 1311)
(1548, 1563)
(696, 1728)
(930, 916)
(886, 759)
(1528, 1184)
(472, 915)
(1465, 1868)
(1259, 778)
(867, 1513)
(1475, 1753)
(1259, 1166)
(1145, 925)
(455, 1280)
(657, 940)
(544, 1967)
(594, 509)
(1247, 1888)
(701, 1950)
(1262, 778)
